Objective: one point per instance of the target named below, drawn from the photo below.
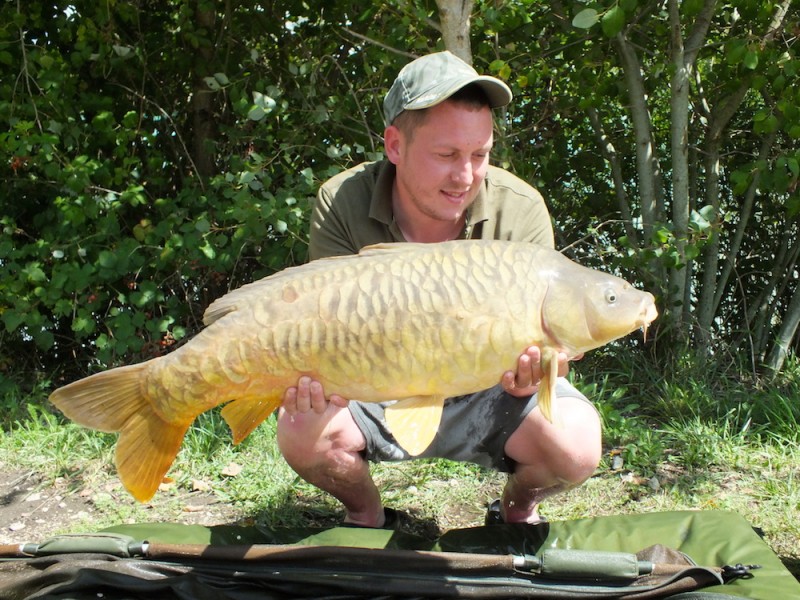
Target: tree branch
(375, 42)
(646, 161)
(610, 154)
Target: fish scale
(415, 323)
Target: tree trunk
(454, 16)
(679, 133)
(763, 313)
(780, 349)
(712, 285)
(611, 155)
(744, 218)
(204, 125)
(684, 56)
(646, 158)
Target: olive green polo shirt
(354, 209)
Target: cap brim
(498, 93)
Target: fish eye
(611, 296)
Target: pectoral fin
(244, 415)
(415, 421)
(547, 386)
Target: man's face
(441, 167)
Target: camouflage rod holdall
(119, 566)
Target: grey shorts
(474, 428)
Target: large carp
(415, 323)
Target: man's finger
(317, 397)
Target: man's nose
(463, 172)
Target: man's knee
(581, 441)
(310, 440)
(569, 450)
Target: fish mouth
(648, 315)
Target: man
(437, 185)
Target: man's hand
(525, 382)
(308, 395)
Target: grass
(685, 436)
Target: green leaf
(102, 341)
(256, 113)
(202, 225)
(585, 19)
(708, 212)
(123, 51)
(263, 101)
(496, 65)
(82, 324)
(208, 250)
(34, 273)
(12, 320)
(751, 59)
(44, 338)
(130, 119)
(701, 219)
(107, 260)
(505, 72)
(212, 83)
(793, 165)
(613, 21)
(735, 52)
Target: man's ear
(392, 143)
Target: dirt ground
(31, 510)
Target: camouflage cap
(431, 79)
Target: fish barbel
(416, 323)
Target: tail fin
(104, 401)
(146, 449)
(113, 401)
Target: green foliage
(155, 156)
(148, 170)
(19, 398)
(572, 131)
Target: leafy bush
(148, 170)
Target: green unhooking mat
(679, 555)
